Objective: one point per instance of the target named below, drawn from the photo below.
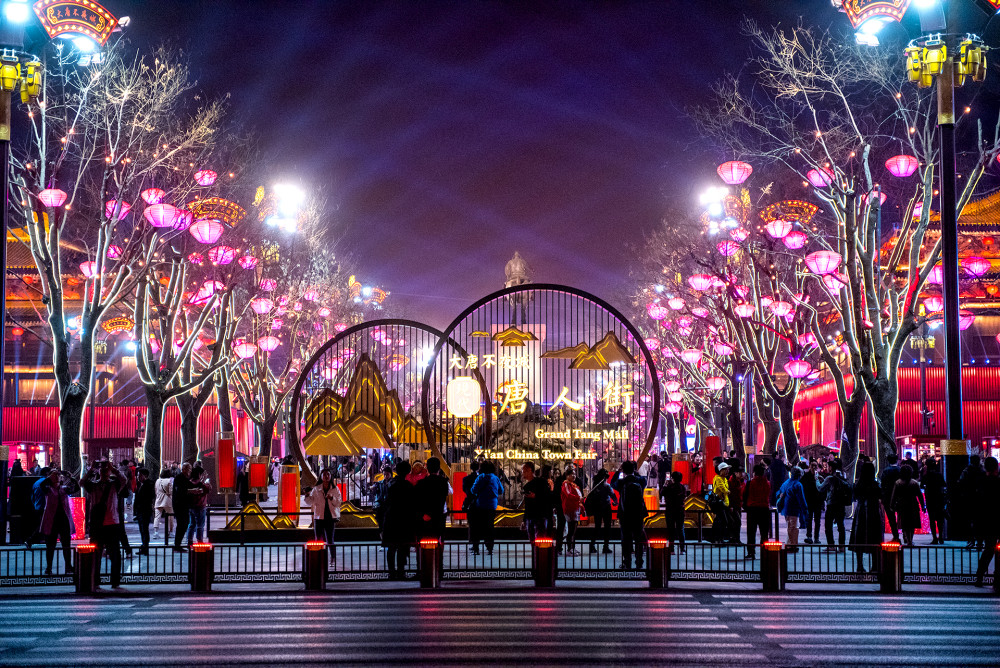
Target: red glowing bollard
(85, 575)
(773, 565)
(659, 563)
(201, 566)
(544, 561)
(430, 561)
(315, 568)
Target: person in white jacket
(325, 499)
(164, 503)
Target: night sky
(447, 135)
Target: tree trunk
(152, 448)
(885, 399)
(786, 407)
(671, 435)
(225, 404)
(772, 430)
(70, 422)
(849, 448)
(265, 432)
(735, 419)
(187, 405)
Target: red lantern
(288, 493)
(902, 166)
(152, 195)
(795, 239)
(207, 230)
(114, 252)
(258, 473)
(52, 197)
(700, 282)
(798, 368)
(225, 460)
(977, 266)
(823, 262)
(820, 178)
(160, 215)
(778, 229)
(17, 332)
(734, 172)
(205, 177)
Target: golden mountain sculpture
(480, 334)
(513, 337)
(608, 351)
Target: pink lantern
(205, 177)
(744, 310)
(154, 345)
(881, 198)
(937, 275)
(277, 323)
(160, 215)
(918, 209)
(902, 165)
(122, 206)
(207, 230)
(933, 304)
(675, 396)
(339, 327)
(766, 301)
(318, 326)
(834, 282)
(311, 295)
(52, 197)
(700, 282)
(248, 262)
(685, 322)
(795, 239)
(244, 349)
(196, 259)
(823, 262)
(268, 343)
(89, 268)
(715, 383)
(205, 292)
(323, 312)
(965, 319)
(778, 229)
(820, 178)
(691, 355)
(734, 172)
(297, 306)
(651, 343)
(114, 252)
(741, 291)
(699, 311)
(261, 305)
(727, 248)
(656, 311)
(721, 348)
(676, 303)
(808, 339)
(739, 234)
(221, 254)
(673, 407)
(268, 284)
(977, 266)
(781, 309)
(798, 368)
(152, 195)
(183, 220)
(672, 373)
(672, 385)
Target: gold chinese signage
(76, 17)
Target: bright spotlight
(289, 199)
(16, 11)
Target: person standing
(164, 508)
(487, 491)
(571, 497)
(182, 504)
(103, 483)
(632, 513)
(968, 487)
(325, 500)
(791, 502)
(537, 507)
(887, 482)
(198, 510)
(778, 473)
(989, 496)
(560, 515)
(737, 481)
(838, 494)
(431, 493)
(868, 526)
(907, 502)
(598, 505)
(469, 504)
(142, 506)
(814, 501)
(674, 494)
(719, 504)
(57, 518)
(757, 500)
(935, 495)
(399, 522)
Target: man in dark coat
(182, 504)
(810, 484)
(674, 494)
(971, 508)
(887, 481)
(142, 507)
(631, 512)
(432, 494)
(778, 474)
(989, 523)
(399, 522)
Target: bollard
(659, 563)
(543, 558)
(84, 577)
(890, 577)
(430, 561)
(772, 565)
(996, 569)
(314, 565)
(201, 566)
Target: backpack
(632, 501)
(841, 492)
(38, 495)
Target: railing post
(314, 565)
(543, 561)
(996, 568)
(85, 575)
(201, 566)
(772, 565)
(430, 561)
(890, 577)
(659, 563)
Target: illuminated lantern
(207, 230)
(675, 396)
(463, 396)
(672, 385)
(691, 355)
(207, 289)
(205, 177)
(154, 345)
(160, 215)
(820, 178)
(766, 301)
(918, 208)
(123, 209)
(89, 268)
(652, 344)
(311, 295)
(225, 460)
(277, 323)
(992, 290)
(673, 407)
(833, 282)
(656, 311)
(17, 332)
(700, 282)
(734, 172)
(798, 368)
(268, 343)
(288, 490)
(965, 319)
(881, 198)
(221, 254)
(323, 312)
(739, 234)
(807, 339)
(699, 311)
(727, 248)
(52, 197)
(248, 262)
(676, 303)
(795, 239)
(268, 284)
(744, 310)
(244, 349)
(781, 309)
(684, 322)
(339, 327)
(261, 305)
(937, 275)
(297, 306)
(902, 166)
(778, 229)
(722, 349)
(258, 473)
(152, 195)
(977, 266)
(823, 262)
(715, 383)
(741, 291)
(183, 220)
(114, 252)
(196, 259)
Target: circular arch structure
(568, 378)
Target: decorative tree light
(734, 172)
(152, 195)
(651, 343)
(965, 319)
(114, 252)
(744, 310)
(699, 311)
(675, 396)
(268, 343)
(207, 230)
(323, 312)
(820, 178)
(823, 262)
(881, 198)
(722, 349)
(727, 248)
(248, 262)
(339, 327)
(834, 282)
(778, 229)
(656, 311)
(196, 259)
(700, 282)
(268, 284)
(160, 215)
(311, 295)
(937, 275)
(795, 239)
(766, 301)
(277, 323)
(808, 339)
(244, 349)
(691, 355)
(672, 385)
(89, 268)
(781, 309)
(798, 368)
(739, 234)
(297, 306)
(676, 303)
(52, 197)
(673, 407)
(976, 266)
(715, 383)
(463, 396)
(261, 305)
(205, 177)
(221, 254)
(902, 166)
(122, 206)
(933, 304)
